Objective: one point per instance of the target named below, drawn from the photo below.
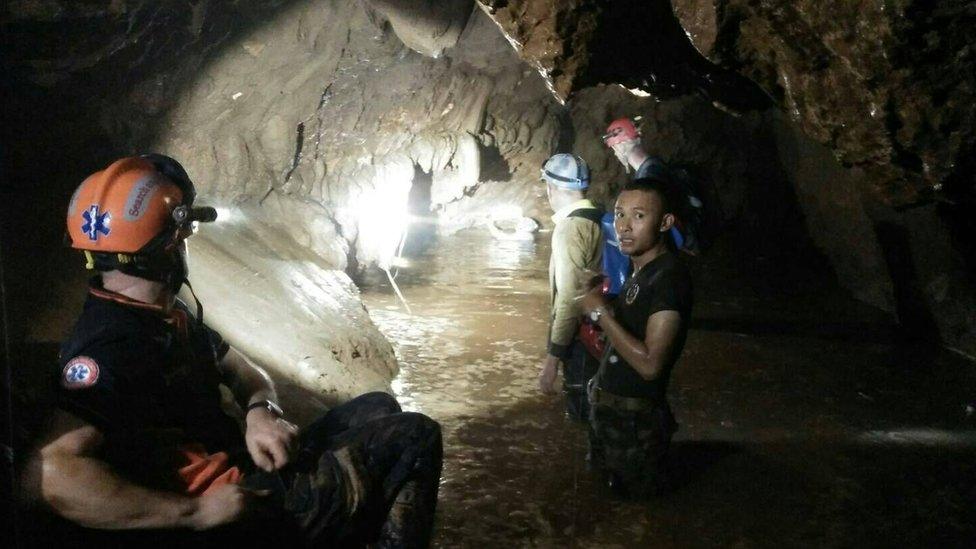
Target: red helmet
(621, 130)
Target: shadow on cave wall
(910, 304)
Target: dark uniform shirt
(663, 284)
(148, 380)
(652, 166)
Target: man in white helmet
(576, 252)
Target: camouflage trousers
(630, 443)
(366, 473)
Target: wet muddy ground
(806, 419)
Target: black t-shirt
(148, 381)
(663, 284)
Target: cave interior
(358, 152)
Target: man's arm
(246, 380)
(647, 357)
(270, 439)
(69, 478)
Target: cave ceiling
(889, 86)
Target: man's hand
(593, 299)
(223, 505)
(547, 378)
(270, 440)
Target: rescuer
(139, 450)
(645, 326)
(576, 252)
(624, 139)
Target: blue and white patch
(95, 223)
(79, 373)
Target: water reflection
(770, 451)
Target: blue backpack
(691, 211)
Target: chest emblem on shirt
(631, 294)
(80, 372)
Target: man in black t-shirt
(646, 329)
(139, 451)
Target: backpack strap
(592, 214)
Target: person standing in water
(646, 327)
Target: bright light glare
(383, 218)
(224, 214)
(635, 91)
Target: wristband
(268, 405)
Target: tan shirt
(576, 253)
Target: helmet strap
(196, 300)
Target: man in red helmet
(624, 139)
(139, 440)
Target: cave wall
(886, 87)
(335, 121)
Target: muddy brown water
(806, 420)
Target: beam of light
(921, 437)
(225, 214)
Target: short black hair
(662, 187)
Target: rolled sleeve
(90, 387)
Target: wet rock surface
(795, 430)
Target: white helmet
(566, 171)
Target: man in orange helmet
(139, 441)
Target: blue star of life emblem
(95, 223)
(80, 372)
(77, 373)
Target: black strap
(593, 214)
(196, 300)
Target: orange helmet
(122, 208)
(133, 215)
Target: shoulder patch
(79, 373)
